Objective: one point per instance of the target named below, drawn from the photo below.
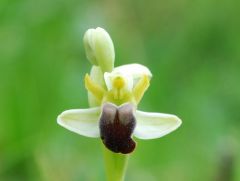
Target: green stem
(115, 165)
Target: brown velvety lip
(116, 127)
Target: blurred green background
(193, 51)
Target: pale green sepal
(135, 70)
(81, 121)
(155, 125)
(97, 76)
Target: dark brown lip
(116, 127)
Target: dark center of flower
(116, 127)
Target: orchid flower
(114, 95)
(117, 119)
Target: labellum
(116, 127)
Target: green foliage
(192, 49)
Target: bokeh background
(193, 51)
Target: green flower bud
(99, 48)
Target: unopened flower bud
(99, 48)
